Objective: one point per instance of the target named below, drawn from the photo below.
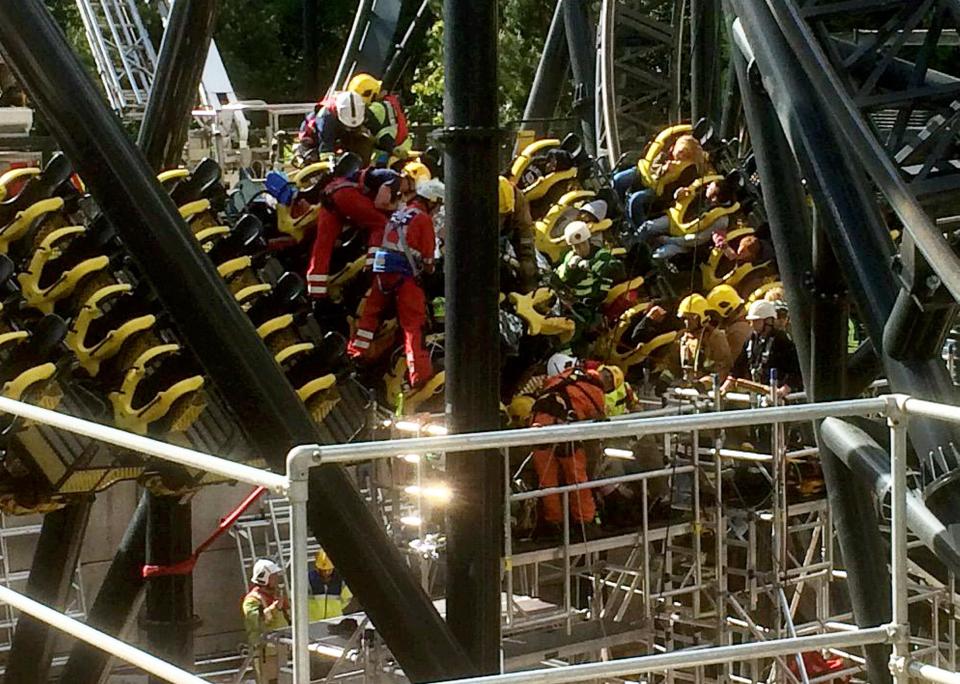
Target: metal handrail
(895, 408)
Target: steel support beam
(704, 64)
(581, 35)
(409, 46)
(219, 333)
(183, 54)
(471, 137)
(551, 75)
(117, 603)
(168, 615)
(51, 577)
(860, 541)
(311, 51)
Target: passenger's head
(686, 148)
(748, 250)
(721, 192)
(385, 186)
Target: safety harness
(395, 255)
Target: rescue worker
(768, 350)
(729, 307)
(571, 393)
(329, 594)
(384, 119)
(406, 253)
(265, 609)
(365, 199)
(336, 125)
(618, 395)
(703, 346)
(585, 275)
(413, 172)
(518, 256)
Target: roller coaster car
(530, 308)
(54, 180)
(659, 145)
(158, 379)
(109, 318)
(685, 219)
(65, 257)
(313, 368)
(30, 357)
(284, 298)
(314, 175)
(204, 182)
(245, 239)
(541, 166)
(14, 177)
(412, 401)
(549, 230)
(709, 270)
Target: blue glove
(278, 185)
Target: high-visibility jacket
(256, 623)
(327, 598)
(388, 124)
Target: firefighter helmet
(366, 86)
(616, 373)
(350, 109)
(576, 232)
(430, 190)
(322, 561)
(723, 299)
(560, 362)
(418, 171)
(508, 200)
(263, 570)
(693, 305)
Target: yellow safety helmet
(693, 305)
(508, 200)
(366, 86)
(520, 408)
(723, 299)
(617, 373)
(418, 171)
(322, 562)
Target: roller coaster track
(638, 66)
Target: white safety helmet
(761, 310)
(597, 209)
(431, 190)
(263, 570)
(576, 233)
(560, 362)
(350, 109)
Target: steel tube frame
(549, 78)
(581, 39)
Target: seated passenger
(676, 168)
(586, 275)
(671, 240)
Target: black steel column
(851, 505)
(168, 609)
(311, 51)
(581, 46)
(472, 327)
(704, 62)
(183, 54)
(551, 75)
(220, 335)
(51, 576)
(117, 602)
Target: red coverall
(411, 225)
(345, 200)
(581, 392)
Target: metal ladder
(124, 55)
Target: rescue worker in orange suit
(407, 251)
(365, 199)
(570, 393)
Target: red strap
(185, 567)
(402, 127)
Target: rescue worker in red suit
(336, 125)
(365, 199)
(570, 393)
(409, 243)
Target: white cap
(431, 190)
(597, 208)
(760, 310)
(560, 362)
(576, 233)
(263, 570)
(350, 109)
